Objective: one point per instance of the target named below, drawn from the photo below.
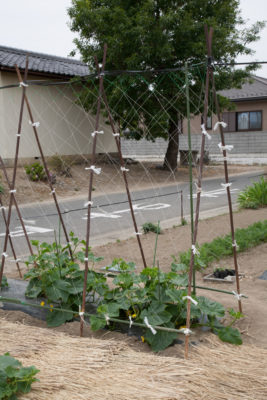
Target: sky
(42, 26)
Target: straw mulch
(83, 369)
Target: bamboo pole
(124, 174)
(49, 179)
(234, 245)
(10, 240)
(89, 203)
(12, 191)
(191, 274)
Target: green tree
(161, 34)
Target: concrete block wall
(246, 144)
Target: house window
(249, 120)
(208, 124)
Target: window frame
(249, 129)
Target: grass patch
(254, 196)
(221, 246)
(149, 227)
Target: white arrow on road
(136, 207)
(30, 230)
(212, 193)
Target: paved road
(111, 214)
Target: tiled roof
(249, 91)
(42, 63)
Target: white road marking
(136, 207)
(30, 230)
(212, 193)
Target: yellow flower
(133, 315)
(51, 307)
(42, 303)
(143, 339)
(182, 327)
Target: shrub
(35, 172)
(254, 196)
(149, 227)
(60, 165)
(14, 378)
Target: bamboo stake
(208, 35)
(89, 206)
(2, 166)
(228, 192)
(124, 174)
(12, 191)
(49, 180)
(10, 240)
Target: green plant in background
(221, 246)
(58, 278)
(35, 172)
(4, 282)
(60, 165)
(14, 378)
(149, 227)
(254, 196)
(183, 222)
(1, 185)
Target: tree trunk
(170, 160)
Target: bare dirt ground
(141, 175)
(174, 240)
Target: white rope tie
(228, 147)
(123, 169)
(18, 134)
(238, 296)
(195, 250)
(222, 123)
(204, 132)
(107, 319)
(53, 191)
(81, 314)
(186, 331)
(2, 208)
(226, 185)
(97, 133)
(23, 84)
(116, 134)
(12, 191)
(5, 255)
(199, 189)
(191, 299)
(88, 203)
(94, 169)
(138, 233)
(131, 321)
(16, 261)
(34, 124)
(234, 244)
(149, 326)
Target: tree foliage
(161, 34)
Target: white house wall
(65, 128)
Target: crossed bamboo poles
(191, 274)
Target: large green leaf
(230, 335)
(57, 318)
(161, 340)
(8, 361)
(210, 307)
(96, 322)
(156, 314)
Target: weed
(60, 165)
(4, 282)
(221, 247)
(183, 222)
(35, 172)
(149, 227)
(254, 196)
(14, 378)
